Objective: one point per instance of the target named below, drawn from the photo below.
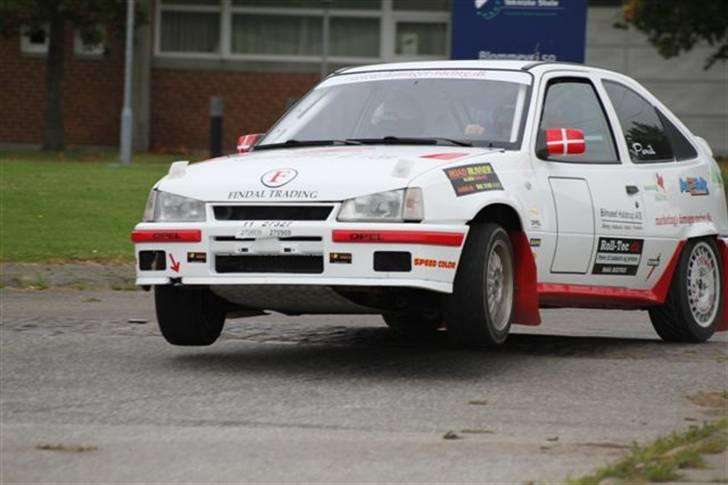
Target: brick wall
(92, 99)
(252, 103)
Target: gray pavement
(329, 399)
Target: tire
(471, 320)
(189, 316)
(694, 303)
(414, 323)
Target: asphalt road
(336, 399)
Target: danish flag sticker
(565, 141)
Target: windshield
(481, 107)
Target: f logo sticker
(278, 177)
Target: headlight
(166, 207)
(394, 206)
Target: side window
(643, 129)
(573, 103)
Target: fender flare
(525, 298)
(525, 278)
(723, 325)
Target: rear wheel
(478, 313)
(694, 302)
(189, 316)
(411, 322)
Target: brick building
(261, 54)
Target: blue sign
(534, 30)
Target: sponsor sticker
(278, 177)
(643, 151)
(435, 263)
(196, 257)
(653, 264)
(535, 242)
(470, 179)
(272, 194)
(694, 186)
(340, 258)
(619, 220)
(682, 220)
(534, 218)
(618, 256)
(657, 188)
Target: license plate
(265, 230)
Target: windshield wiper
(292, 143)
(408, 140)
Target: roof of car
(470, 64)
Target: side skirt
(586, 296)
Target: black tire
(676, 320)
(466, 311)
(414, 323)
(189, 316)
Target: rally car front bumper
(322, 253)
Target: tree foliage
(675, 26)
(83, 14)
(52, 16)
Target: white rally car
(463, 195)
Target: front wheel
(694, 303)
(189, 316)
(478, 313)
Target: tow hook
(176, 281)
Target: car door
(675, 181)
(599, 208)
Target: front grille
(272, 212)
(270, 264)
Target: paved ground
(80, 275)
(335, 399)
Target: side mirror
(246, 142)
(564, 141)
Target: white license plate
(265, 230)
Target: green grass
(72, 205)
(662, 459)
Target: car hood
(311, 174)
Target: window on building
(417, 38)
(34, 40)
(190, 31)
(291, 30)
(573, 103)
(90, 43)
(643, 130)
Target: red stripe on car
(399, 237)
(166, 235)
